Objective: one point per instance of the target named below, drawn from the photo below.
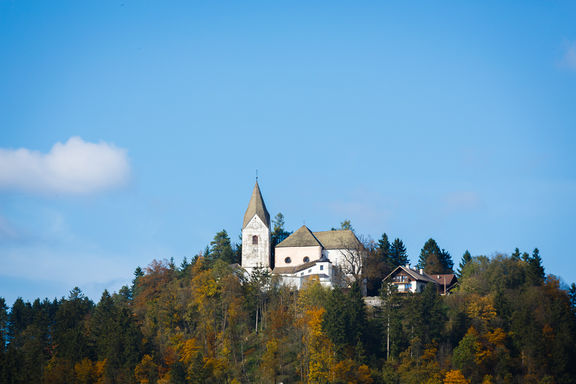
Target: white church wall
(255, 255)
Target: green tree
(220, 247)
(398, 254)
(536, 274)
(377, 264)
(466, 258)
(434, 260)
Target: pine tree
(516, 254)
(465, 260)
(279, 233)
(221, 248)
(433, 260)
(536, 274)
(398, 255)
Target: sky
(132, 130)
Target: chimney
(421, 271)
(408, 265)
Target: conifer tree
(398, 255)
(465, 260)
(536, 274)
(434, 260)
(221, 248)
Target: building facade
(334, 258)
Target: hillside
(203, 322)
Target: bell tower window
(254, 240)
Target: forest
(204, 321)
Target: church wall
(256, 255)
(338, 256)
(296, 254)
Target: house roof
(303, 237)
(414, 274)
(449, 279)
(256, 207)
(338, 239)
(297, 268)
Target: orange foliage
(455, 377)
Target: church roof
(303, 237)
(339, 239)
(256, 207)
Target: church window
(287, 260)
(306, 259)
(255, 240)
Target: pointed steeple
(256, 207)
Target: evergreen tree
(465, 260)
(377, 264)
(221, 248)
(398, 255)
(433, 260)
(516, 254)
(278, 233)
(572, 295)
(536, 274)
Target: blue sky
(131, 130)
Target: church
(334, 258)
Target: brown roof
(256, 207)
(449, 279)
(303, 237)
(415, 274)
(339, 239)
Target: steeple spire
(256, 207)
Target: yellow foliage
(146, 370)
(481, 308)
(348, 371)
(487, 379)
(189, 350)
(455, 377)
(84, 371)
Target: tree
(434, 260)
(465, 260)
(220, 247)
(536, 274)
(345, 225)
(398, 255)
(278, 233)
(378, 264)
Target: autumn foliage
(207, 322)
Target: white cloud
(75, 167)
(569, 58)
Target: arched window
(287, 260)
(255, 240)
(306, 259)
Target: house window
(255, 240)
(287, 260)
(306, 259)
(321, 267)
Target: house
(331, 257)
(407, 279)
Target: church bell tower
(256, 233)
